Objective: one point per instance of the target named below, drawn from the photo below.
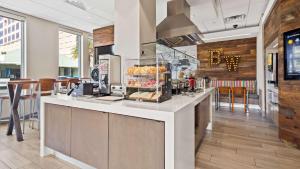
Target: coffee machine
(109, 67)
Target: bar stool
(45, 88)
(225, 92)
(240, 92)
(26, 95)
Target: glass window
(10, 56)
(69, 54)
(17, 26)
(1, 25)
(8, 21)
(1, 33)
(9, 29)
(91, 53)
(17, 35)
(13, 28)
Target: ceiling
(208, 15)
(97, 13)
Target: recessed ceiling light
(235, 19)
(77, 4)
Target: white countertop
(156, 111)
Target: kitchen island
(125, 134)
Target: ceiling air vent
(235, 19)
(77, 4)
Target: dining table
(14, 90)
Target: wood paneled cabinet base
(202, 118)
(105, 140)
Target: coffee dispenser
(109, 72)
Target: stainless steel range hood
(177, 29)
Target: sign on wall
(216, 57)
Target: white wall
(42, 48)
(260, 56)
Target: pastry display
(162, 69)
(130, 71)
(142, 84)
(146, 95)
(135, 95)
(142, 95)
(144, 70)
(136, 70)
(156, 96)
(148, 83)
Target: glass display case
(148, 79)
(183, 67)
(159, 72)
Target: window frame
(22, 36)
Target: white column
(127, 30)
(135, 24)
(85, 60)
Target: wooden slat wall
(246, 48)
(103, 36)
(287, 12)
(272, 25)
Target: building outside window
(91, 52)
(10, 50)
(69, 54)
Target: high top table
(14, 97)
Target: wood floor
(236, 142)
(244, 142)
(25, 155)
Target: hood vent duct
(177, 29)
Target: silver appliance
(117, 90)
(177, 29)
(109, 72)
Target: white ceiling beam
(267, 12)
(230, 34)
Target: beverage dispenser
(109, 72)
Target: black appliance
(292, 55)
(102, 50)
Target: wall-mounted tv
(292, 55)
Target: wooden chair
(225, 92)
(45, 88)
(239, 92)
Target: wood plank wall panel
(103, 36)
(246, 48)
(272, 25)
(288, 13)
